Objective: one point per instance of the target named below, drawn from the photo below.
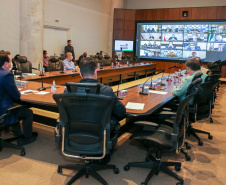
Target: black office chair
(202, 107)
(93, 88)
(162, 138)
(108, 60)
(23, 64)
(7, 142)
(55, 63)
(85, 124)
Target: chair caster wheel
(211, 120)
(143, 183)
(188, 147)
(200, 143)
(177, 168)
(116, 171)
(188, 158)
(126, 168)
(180, 183)
(210, 137)
(59, 170)
(22, 153)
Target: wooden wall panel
(210, 13)
(223, 73)
(221, 12)
(151, 14)
(198, 13)
(140, 15)
(173, 14)
(129, 35)
(119, 24)
(130, 15)
(129, 25)
(118, 35)
(162, 14)
(119, 14)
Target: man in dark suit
(88, 72)
(8, 94)
(81, 57)
(69, 48)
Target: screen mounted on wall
(181, 40)
(125, 45)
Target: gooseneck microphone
(162, 77)
(161, 70)
(142, 91)
(117, 93)
(169, 72)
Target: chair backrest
(55, 64)
(182, 116)
(93, 88)
(85, 118)
(198, 75)
(23, 64)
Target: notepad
(135, 106)
(158, 92)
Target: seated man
(67, 63)
(10, 93)
(193, 67)
(45, 61)
(203, 69)
(81, 57)
(170, 46)
(88, 72)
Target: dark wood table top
(152, 101)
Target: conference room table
(153, 101)
(103, 72)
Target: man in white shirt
(68, 63)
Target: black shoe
(22, 140)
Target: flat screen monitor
(181, 40)
(124, 45)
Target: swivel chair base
(192, 131)
(157, 166)
(7, 143)
(87, 169)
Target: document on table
(28, 92)
(29, 74)
(42, 92)
(135, 106)
(157, 92)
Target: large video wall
(181, 40)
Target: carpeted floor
(39, 166)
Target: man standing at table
(67, 63)
(193, 67)
(88, 72)
(69, 48)
(8, 94)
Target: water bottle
(65, 69)
(98, 65)
(43, 71)
(127, 63)
(53, 87)
(112, 65)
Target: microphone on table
(42, 88)
(161, 70)
(142, 91)
(162, 77)
(169, 72)
(117, 93)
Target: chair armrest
(13, 109)
(147, 123)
